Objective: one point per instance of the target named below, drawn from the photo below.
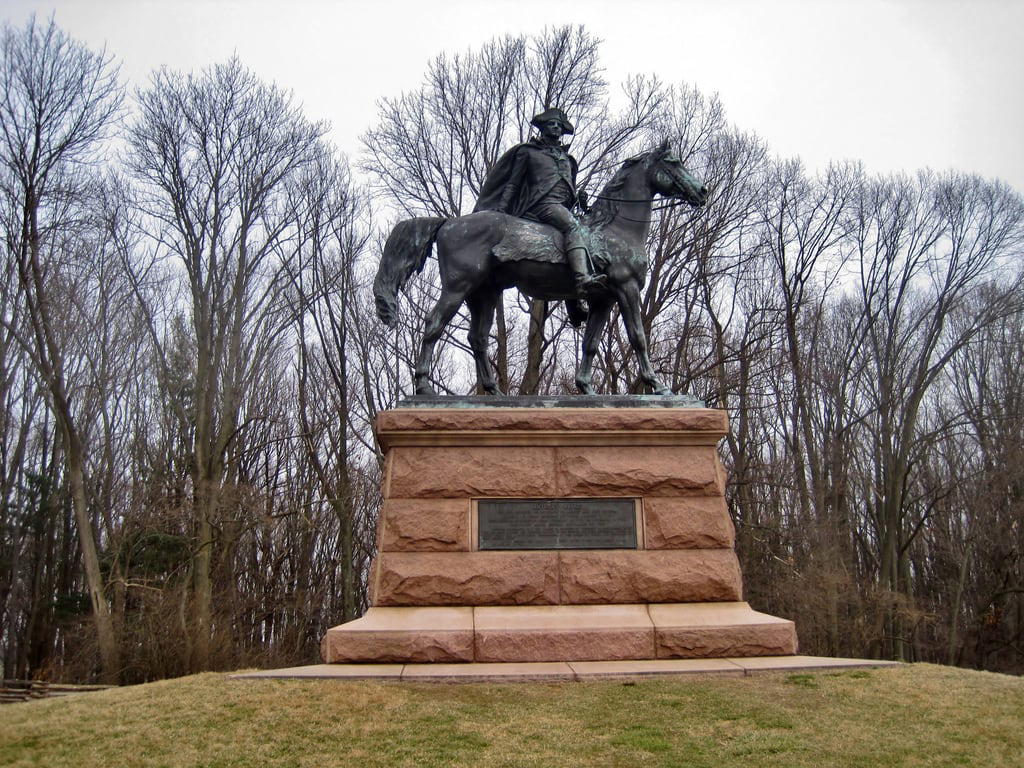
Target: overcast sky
(900, 85)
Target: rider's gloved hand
(583, 200)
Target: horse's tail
(405, 252)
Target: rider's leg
(562, 219)
(585, 282)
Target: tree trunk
(110, 657)
(202, 589)
(501, 350)
(534, 347)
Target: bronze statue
(485, 252)
(537, 181)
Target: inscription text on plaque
(556, 524)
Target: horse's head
(669, 179)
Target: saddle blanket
(527, 240)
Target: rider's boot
(586, 283)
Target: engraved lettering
(556, 524)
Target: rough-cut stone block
(467, 578)
(687, 522)
(724, 642)
(649, 576)
(371, 581)
(720, 631)
(639, 470)
(402, 635)
(465, 472)
(563, 633)
(425, 525)
(682, 420)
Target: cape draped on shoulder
(502, 174)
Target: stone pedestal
(437, 597)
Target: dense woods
(190, 363)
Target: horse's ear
(665, 146)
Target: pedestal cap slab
(649, 576)
(687, 522)
(467, 578)
(462, 402)
(402, 635)
(509, 426)
(563, 633)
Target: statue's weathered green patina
(518, 237)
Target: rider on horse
(537, 180)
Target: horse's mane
(604, 210)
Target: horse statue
(482, 254)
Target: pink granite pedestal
(436, 598)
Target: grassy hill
(918, 715)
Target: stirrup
(590, 284)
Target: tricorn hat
(553, 114)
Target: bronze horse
(475, 268)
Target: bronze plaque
(556, 524)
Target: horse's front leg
(481, 316)
(437, 320)
(628, 295)
(597, 319)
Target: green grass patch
(916, 716)
(807, 681)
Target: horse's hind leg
(437, 321)
(481, 315)
(597, 319)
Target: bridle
(671, 204)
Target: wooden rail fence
(24, 690)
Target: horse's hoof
(493, 391)
(663, 391)
(425, 389)
(585, 388)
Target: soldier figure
(537, 180)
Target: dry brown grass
(910, 716)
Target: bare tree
(981, 540)
(923, 245)
(214, 153)
(325, 283)
(59, 100)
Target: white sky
(901, 84)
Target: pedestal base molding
(559, 633)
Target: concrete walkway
(560, 670)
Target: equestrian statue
(523, 234)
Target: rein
(671, 204)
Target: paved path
(561, 670)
